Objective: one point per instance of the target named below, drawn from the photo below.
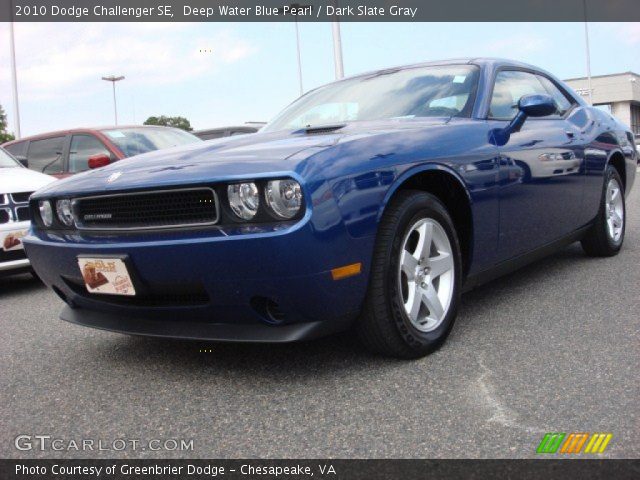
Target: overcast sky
(217, 74)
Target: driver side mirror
(23, 160)
(539, 105)
(536, 105)
(99, 160)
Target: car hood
(15, 180)
(255, 155)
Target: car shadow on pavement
(342, 344)
(300, 362)
(531, 273)
(512, 286)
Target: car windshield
(436, 91)
(7, 161)
(134, 141)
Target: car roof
(70, 131)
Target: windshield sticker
(459, 78)
(115, 134)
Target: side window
(17, 149)
(510, 86)
(46, 155)
(82, 147)
(561, 99)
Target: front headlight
(244, 199)
(46, 212)
(63, 208)
(284, 197)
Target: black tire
(384, 326)
(597, 242)
(526, 175)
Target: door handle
(570, 134)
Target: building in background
(618, 94)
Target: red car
(67, 152)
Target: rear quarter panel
(604, 137)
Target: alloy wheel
(426, 274)
(614, 210)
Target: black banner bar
(319, 10)
(318, 469)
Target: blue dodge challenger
(370, 203)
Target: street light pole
(113, 79)
(586, 39)
(14, 80)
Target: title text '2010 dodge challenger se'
(369, 203)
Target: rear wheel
(606, 235)
(414, 289)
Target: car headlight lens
(46, 212)
(284, 197)
(244, 199)
(63, 208)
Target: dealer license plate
(13, 240)
(106, 275)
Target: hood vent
(321, 129)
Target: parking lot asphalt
(554, 347)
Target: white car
(17, 183)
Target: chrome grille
(23, 214)
(21, 197)
(5, 215)
(147, 210)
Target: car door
(540, 203)
(46, 155)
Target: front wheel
(605, 237)
(414, 289)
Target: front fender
(418, 169)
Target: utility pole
(296, 6)
(337, 45)
(299, 58)
(337, 50)
(14, 80)
(586, 39)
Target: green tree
(177, 122)
(5, 136)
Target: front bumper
(214, 286)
